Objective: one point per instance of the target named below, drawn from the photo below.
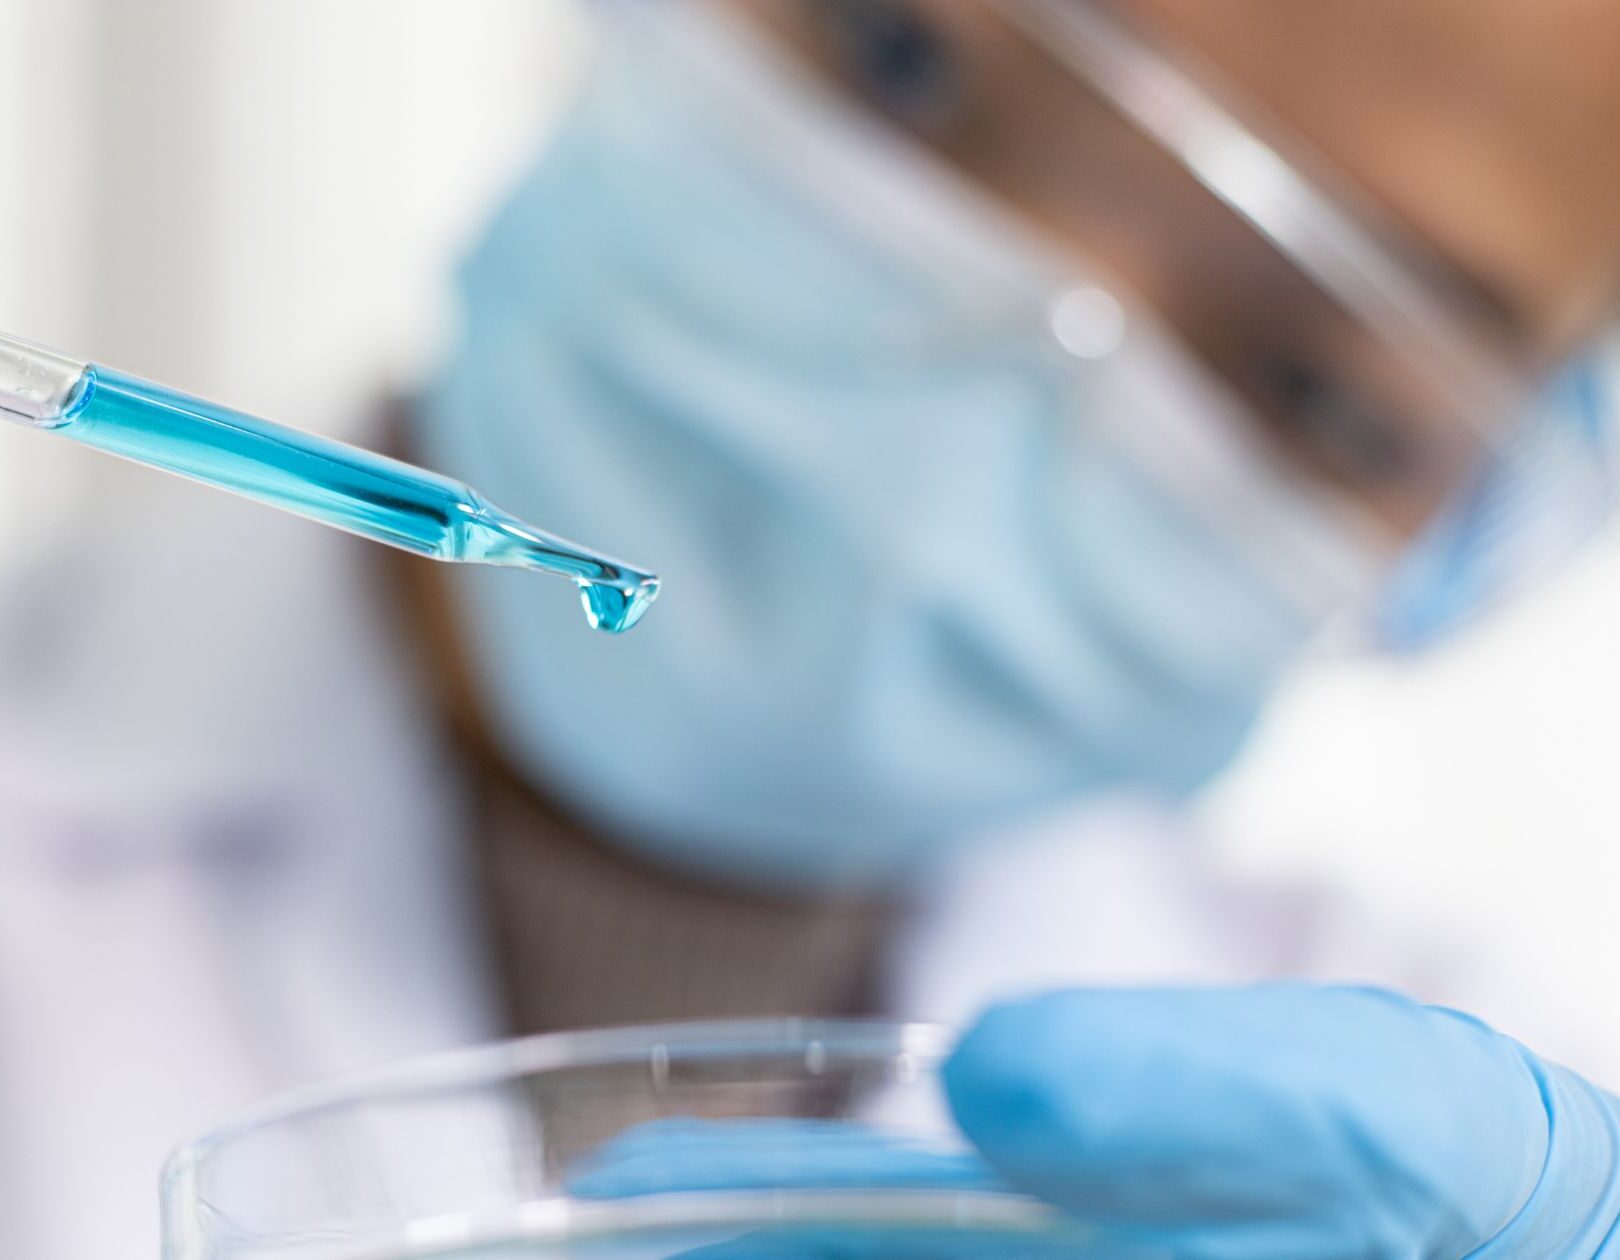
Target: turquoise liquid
(830, 1242)
(343, 486)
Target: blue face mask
(926, 570)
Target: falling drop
(613, 608)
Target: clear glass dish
(776, 1138)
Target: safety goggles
(1376, 372)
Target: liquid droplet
(615, 609)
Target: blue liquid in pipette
(352, 489)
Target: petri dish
(762, 1139)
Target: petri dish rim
(924, 1045)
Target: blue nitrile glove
(1292, 1122)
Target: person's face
(1484, 129)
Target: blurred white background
(218, 864)
(261, 197)
(262, 201)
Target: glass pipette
(344, 486)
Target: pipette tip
(615, 595)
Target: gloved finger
(1285, 1121)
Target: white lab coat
(1121, 893)
(225, 867)
(222, 868)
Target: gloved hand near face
(1292, 1122)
